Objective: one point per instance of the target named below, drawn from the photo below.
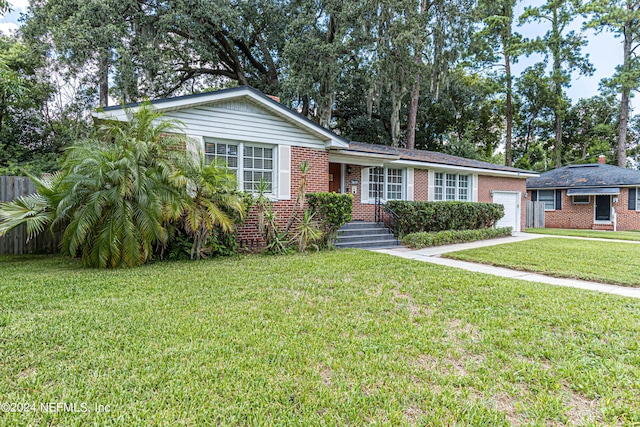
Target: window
(376, 182)
(549, 199)
(638, 199)
(257, 166)
(438, 186)
(394, 184)
(256, 163)
(581, 200)
(451, 186)
(389, 182)
(226, 153)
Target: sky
(604, 50)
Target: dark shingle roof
(591, 175)
(431, 157)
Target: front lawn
(617, 235)
(601, 261)
(339, 338)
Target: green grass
(618, 235)
(337, 338)
(600, 261)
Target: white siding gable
(242, 120)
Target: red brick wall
(487, 184)
(317, 180)
(582, 216)
(361, 211)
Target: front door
(335, 177)
(603, 208)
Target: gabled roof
(590, 175)
(434, 159)
(247, 92)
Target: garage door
(511, 204)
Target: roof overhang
(360, 158)
(244, 92)
(599, 191)
(446, 167)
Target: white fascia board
(443, 167)
(331, 139)
(355, 160)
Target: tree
(121, 190)
(498, 41)
(622, 17)
(563, 48)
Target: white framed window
(452, 187)
(388, 181)
(581, 200)
(549, 199)
(438, 186)
(638, 198)
(257, 166)
(376, 182)
(250, 162)
(222, 152)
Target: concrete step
(358, 225)
(363, 237)
(362, 231)
(372, 244)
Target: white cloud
(8, 28)
(19, 5)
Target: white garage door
(511, 203)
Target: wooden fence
(535, 214)
(15, 242)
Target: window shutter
(632, 199)
(410, 185)
(431, 186)
(364, 188)
(284, 172)
(534, 195)
(474, 187)
(558, 200)
(195, 146)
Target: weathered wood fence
(535, 214)
(15, 242)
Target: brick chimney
(602, 159)
(275, 98)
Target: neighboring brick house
(592, 196)
(259, 138)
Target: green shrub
(413, 217)
(333, 210)
(423, 240)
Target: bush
(413, 217)
(423, 240)
(333, 210)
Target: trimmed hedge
(413, 217)
(332, 210)
(448, 237)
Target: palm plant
(36, 211)
(120, 190)
(214, 202)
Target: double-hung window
(250, 163)
(388, 183)
(451, 186)
(549, 199)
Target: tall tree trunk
(412, 116)
(624, 103)
(103, 77)
(508, 142)
(557, 80)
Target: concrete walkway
(432, 255)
